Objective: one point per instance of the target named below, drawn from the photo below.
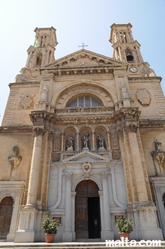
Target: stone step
(71, 245)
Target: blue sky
(77, 21)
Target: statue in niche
(101, 142)
(158, 145)
(159, 159)
(70, 140)
(15, 159)
(86, 142)
(44, 92)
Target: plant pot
(49, 238)
(124, 235)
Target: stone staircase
(71, 245)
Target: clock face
(133, 69)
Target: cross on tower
(83, 45)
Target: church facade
(83, 141)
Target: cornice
(24, 83)
(138, 78)
(20, 128)
(149, 123)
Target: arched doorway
(6, 209)
(87, 210)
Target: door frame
(100, 195)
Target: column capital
(41, 117)
(39, 131)
(127, 112)
(131, 126)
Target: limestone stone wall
(7, 142)
(22, 99)
(148, 96)
(148, 136)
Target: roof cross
(83, 45)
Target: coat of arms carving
(26, 102)
(143, 96)
(86, 167)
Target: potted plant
(125, 227)
(50, 228)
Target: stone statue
(101, 142)
(86, 142)
(158, 145)
(15, 159)
(70, 140)
(44, 92)
(159, 159)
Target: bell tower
(42, 52)
(126, 49)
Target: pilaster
(107, 232)
(135, 170)
(67, 235)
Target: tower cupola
(126, 49)
(42, 52)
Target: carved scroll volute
(158, 156)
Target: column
(73, 214)
(108, 141)
(77, 142)
(67, 235)
(158, 199)
(107, 231)
(35, 165)
(138, 168)
(15, 217)
(62, 141)
(119, 49)
(101, 213)
(93, 147)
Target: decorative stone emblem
(15, 159)
(86, 167)
(26, 102)
(143, 96)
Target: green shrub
(124, 225)
(49, 226)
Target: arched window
(38, 59)
(84, 101)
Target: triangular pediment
(86, 156)
(84, 58)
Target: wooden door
(6, 209)
(84, 190)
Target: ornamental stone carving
(86, 167)
(143, 96)
(26, 102)
(128, 112)
(15, 159)
(131, 127)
